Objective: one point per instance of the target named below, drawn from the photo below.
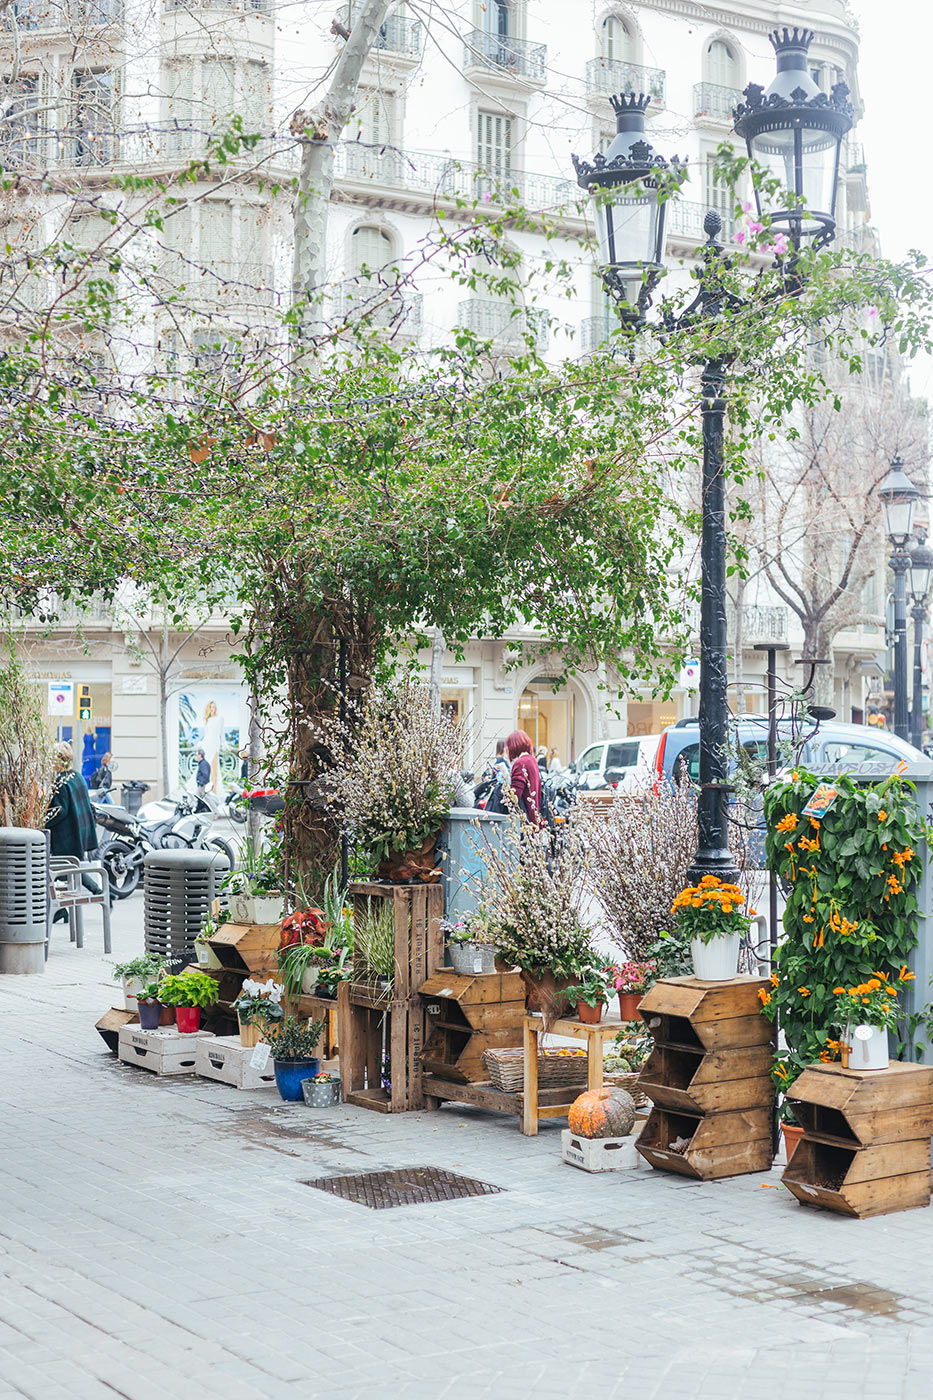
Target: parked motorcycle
(180, 827)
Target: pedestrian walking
(70, 818)
(501, 765)
(554, 764)
(101, 780)
(525, 777)
(203, 776)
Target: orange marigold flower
(882, 816)
(787, 823)
(804, 991)
(837, 991)
(763, 996)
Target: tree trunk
(437, 669)
(738, 660)
(163, 704)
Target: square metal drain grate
(409, 1186)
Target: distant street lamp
(796, 131)
(898, 497)
(921, 570)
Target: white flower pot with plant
(867, 1011)
(254, 893)
(711, 916)
(258, 1006)
(136, 974)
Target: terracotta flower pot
(166, 1015)
(590, 1015)
(629, 1002)
(412, 866)
(792, 1135)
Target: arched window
(617, 46)
(721, 66)
(370, 248)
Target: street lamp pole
(921, 571)
(898, 497)
(796, 132)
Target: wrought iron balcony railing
(711, 100)
(608, 75)
(453, 179)
(505, 54)
(398, 34)
(595, 331)
(760, 623)
(503, 321)
(61, 14)
(400, 312)
(685, 221)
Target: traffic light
(84, 703)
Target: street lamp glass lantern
(898, 496)
(795, 132)
(921, 572)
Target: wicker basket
(629, 1083)
(506, 1068)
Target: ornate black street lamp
(898, 497)
(921, 569)
(797, 131)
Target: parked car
(623, 764)
(835, 748)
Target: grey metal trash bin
(462, 839)
(24, 892)
(131, 794)
(178, 887)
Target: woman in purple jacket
(525, 777)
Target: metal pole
(713, 856)
(900, 562)
(344, 839)
(918, 613)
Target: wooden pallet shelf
(866, 1145)
(708, 1077)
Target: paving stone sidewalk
(157, 1240)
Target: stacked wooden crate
(865, 1148)
(379, 1027)
(708, 1077)
(469, 1013)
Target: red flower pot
(590, 1015)
(629, 1002)
(188, 1019)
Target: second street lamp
(898, 497)
(801, 128)
(921, 569)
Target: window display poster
(209, 719)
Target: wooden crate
(708, 1076)
(324, 1009)
(371, 1031)
(866, 1144)
(437, 1091)
(225, 1059)
(163, 1052)
(112, 1022)
(467, 1014)
(419, 943)
(247, 948)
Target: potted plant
(258, 1005)
(303, 935)
(139, 972)
(630, 980)
(374, 945)
(254, 889)
(711, 916)
(323, 1091)
(150, 1008)
(472, 942)
(865, 1013)
(392, 776)
(203, 951)
(294, 1042)
(189, 992)
(590, 993)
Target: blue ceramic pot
(290, 1073)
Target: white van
(622, 764)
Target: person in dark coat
(70, 822)
(203, 776)
(102, 780)
(525, 777)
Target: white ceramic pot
(268, 909)
(205, 954)
(717, 960)
(131, 985)
(241, 908)
(309, 980)
(868, 1047)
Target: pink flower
(740, 236)
(746, 206)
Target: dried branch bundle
(27, 768)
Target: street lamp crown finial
(630, 102)
(797, 38)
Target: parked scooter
(181, 827)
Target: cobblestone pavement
(158, 1240)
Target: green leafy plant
(259, 865)
(293, 961)
(374, 940)
(670, 956)
(140, 969)
(294, 1039)
(593, 987)
(188, 989)
(851, 908)
(150, 992)
(259, 1002)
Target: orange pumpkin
(602, 1113)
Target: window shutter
(494, 143)
(721, 65)
(370, 248)
(617, 41)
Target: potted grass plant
(137, 973)
(188, 993)
(374, 946)
(258, 1005)
(254, 890)
(294, 1043)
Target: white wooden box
(223, 1057)
(599, 1154)
(163, 1051)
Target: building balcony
(503, 321)
(255, 7)
(441, 177)
(760, 623)
(398, 311)
(595, 331)
(400, 34)
(685, 222)
(32, 15)
(491, 53)
(715, 103)
(605, 76)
